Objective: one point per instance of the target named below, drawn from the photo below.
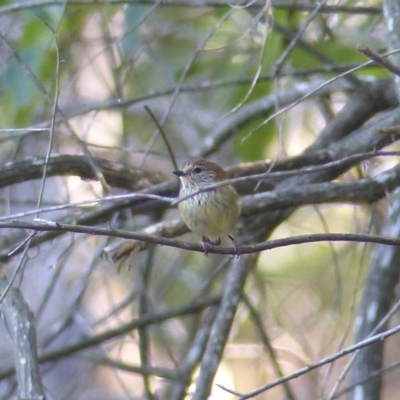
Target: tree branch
(22, 327)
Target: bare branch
(22, 328)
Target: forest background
(298, 101)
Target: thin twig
(380, 60)
(163, 135)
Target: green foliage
(131, 40)
(253, 140)
(116, 58)
(29, 70)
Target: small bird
(212, 213)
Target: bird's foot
(236, 246)
(208, 242)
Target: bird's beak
(179, 173)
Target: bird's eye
(197, 170)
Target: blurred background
(228, 81)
